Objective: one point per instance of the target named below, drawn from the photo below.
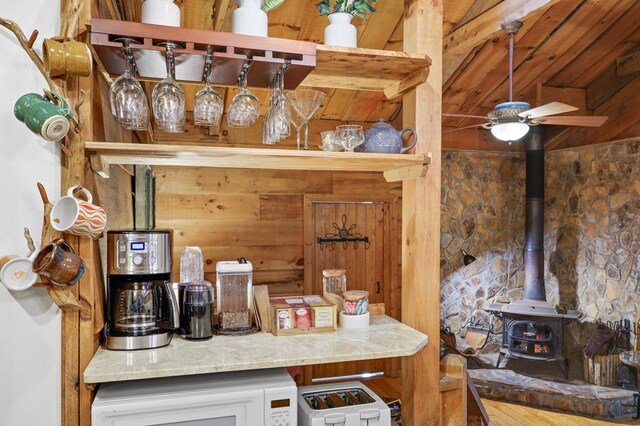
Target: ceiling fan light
(510, 131)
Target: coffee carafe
(142, 310)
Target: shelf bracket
(100, 165)
(407, 84)
(408, 172)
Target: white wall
(29, 320)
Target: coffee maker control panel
(139, 252)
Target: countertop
(384, 338)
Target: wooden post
(422, 110)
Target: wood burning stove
(533, 328)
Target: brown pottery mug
(59, 263)
(66, 57)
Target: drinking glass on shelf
(305, 103)
(128, 99)
(168, 99)
(245, 106)
(349, 136)
(208, 106)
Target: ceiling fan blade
(551, 108)
(482, 117)
(573, 120)
(466, 127)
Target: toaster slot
(360, 396)
(336, 400)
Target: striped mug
(78, 217)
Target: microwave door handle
(335, 419)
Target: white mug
(16, 272)
(78, 217)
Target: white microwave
(244, 398)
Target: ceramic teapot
(383, 137)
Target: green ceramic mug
(42, 116)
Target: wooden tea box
(302, 314)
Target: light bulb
(509, 131)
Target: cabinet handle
(377, 287)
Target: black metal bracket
(344, 235)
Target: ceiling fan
(510, 121)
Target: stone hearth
(582, 399)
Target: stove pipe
(534, 227)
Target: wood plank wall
(256, 214)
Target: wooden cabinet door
(367, 264)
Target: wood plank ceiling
(582, 52)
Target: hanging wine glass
(128, 99)
(305, 103)
(245, 106)
(168, 99)
(208, 104)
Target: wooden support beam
(422, 110)
(220, 8)
(453, 388)
(628, 64)
(605, 86)
(484, 27)
(621, 109)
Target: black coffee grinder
(142, 310)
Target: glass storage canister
(334, 281)
(356, 302)
(234, 295)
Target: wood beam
(484, 27)
(421, 219)
(606, 85)
(476, 140)
(628, 64)
(622, 111)
(220, 8)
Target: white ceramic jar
(160, 12)
(250, 19)
(340, 31)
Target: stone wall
(592, 232)
(482, 213)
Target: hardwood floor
(504, 414)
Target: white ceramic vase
(249, 19)
(160, 12)
(340, 31)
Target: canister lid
(198, 294)
(232, 266)
(334, 272)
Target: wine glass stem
(306, 136)
(298, 138)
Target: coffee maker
(142, 310)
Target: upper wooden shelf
(395, 166)
(393, 73)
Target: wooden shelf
(384, 338)
(395, 166)
(393, 73)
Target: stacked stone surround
(592, 232)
